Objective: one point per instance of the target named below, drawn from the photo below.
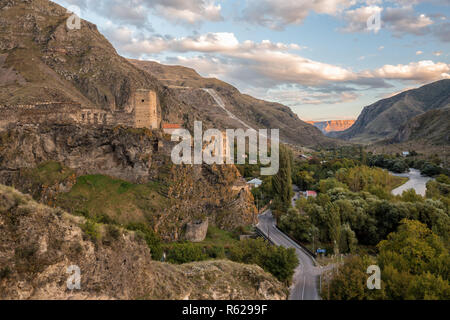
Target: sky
(325, 59)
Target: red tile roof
(171, 126)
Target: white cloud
(356, 20)
(295, 96)
(418, 53)
(404, 20)
(137, 12)
(399, 20)
(277, 14)
(266, 63)
(188, 11)
(423, 71)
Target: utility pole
(314, 244)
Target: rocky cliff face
(38, 244)
(183, 193)
(45, 62)
(432, 127)
(332, 125)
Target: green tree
(350, 281)
(415, 263)
(296, 225)
(279, 261)
(180, 253)
(282, 181)
(347, 239)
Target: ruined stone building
(142, 112)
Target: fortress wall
(145, 105)
(143, 113)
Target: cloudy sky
(326, 59)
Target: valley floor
(416, 181)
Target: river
(416, 181)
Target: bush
(279, 261)
(151, 238)
(180, 253)
(215, 252)
(5, 273)
(430, 169)
(91, 230)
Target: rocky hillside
(431, 127)
(43, 61)
(383, 119)
(38, 244)
(48, 62)
(123, 175)
(332, 125)
(187, 86)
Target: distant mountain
(332, 125)
(385, 118)
(226, 107)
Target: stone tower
(146, 109)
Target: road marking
(266, 225)
(303, 292)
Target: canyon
(332, 125)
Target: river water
(416, 181)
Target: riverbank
(416, 181)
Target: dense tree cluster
(279, 261)
(414, 264)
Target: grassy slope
(119, 201)
(116, 265)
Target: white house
(255, 183)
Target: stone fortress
(141, 112)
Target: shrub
(215, 252)
(91, 230)
(279, 261)
(180, 253)
(151, 238)
(5, 273)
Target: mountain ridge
(384, 118)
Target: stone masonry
(141, 113)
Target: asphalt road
(306, 277)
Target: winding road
(221, 104)
(306, 277)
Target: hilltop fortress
(142, 111)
